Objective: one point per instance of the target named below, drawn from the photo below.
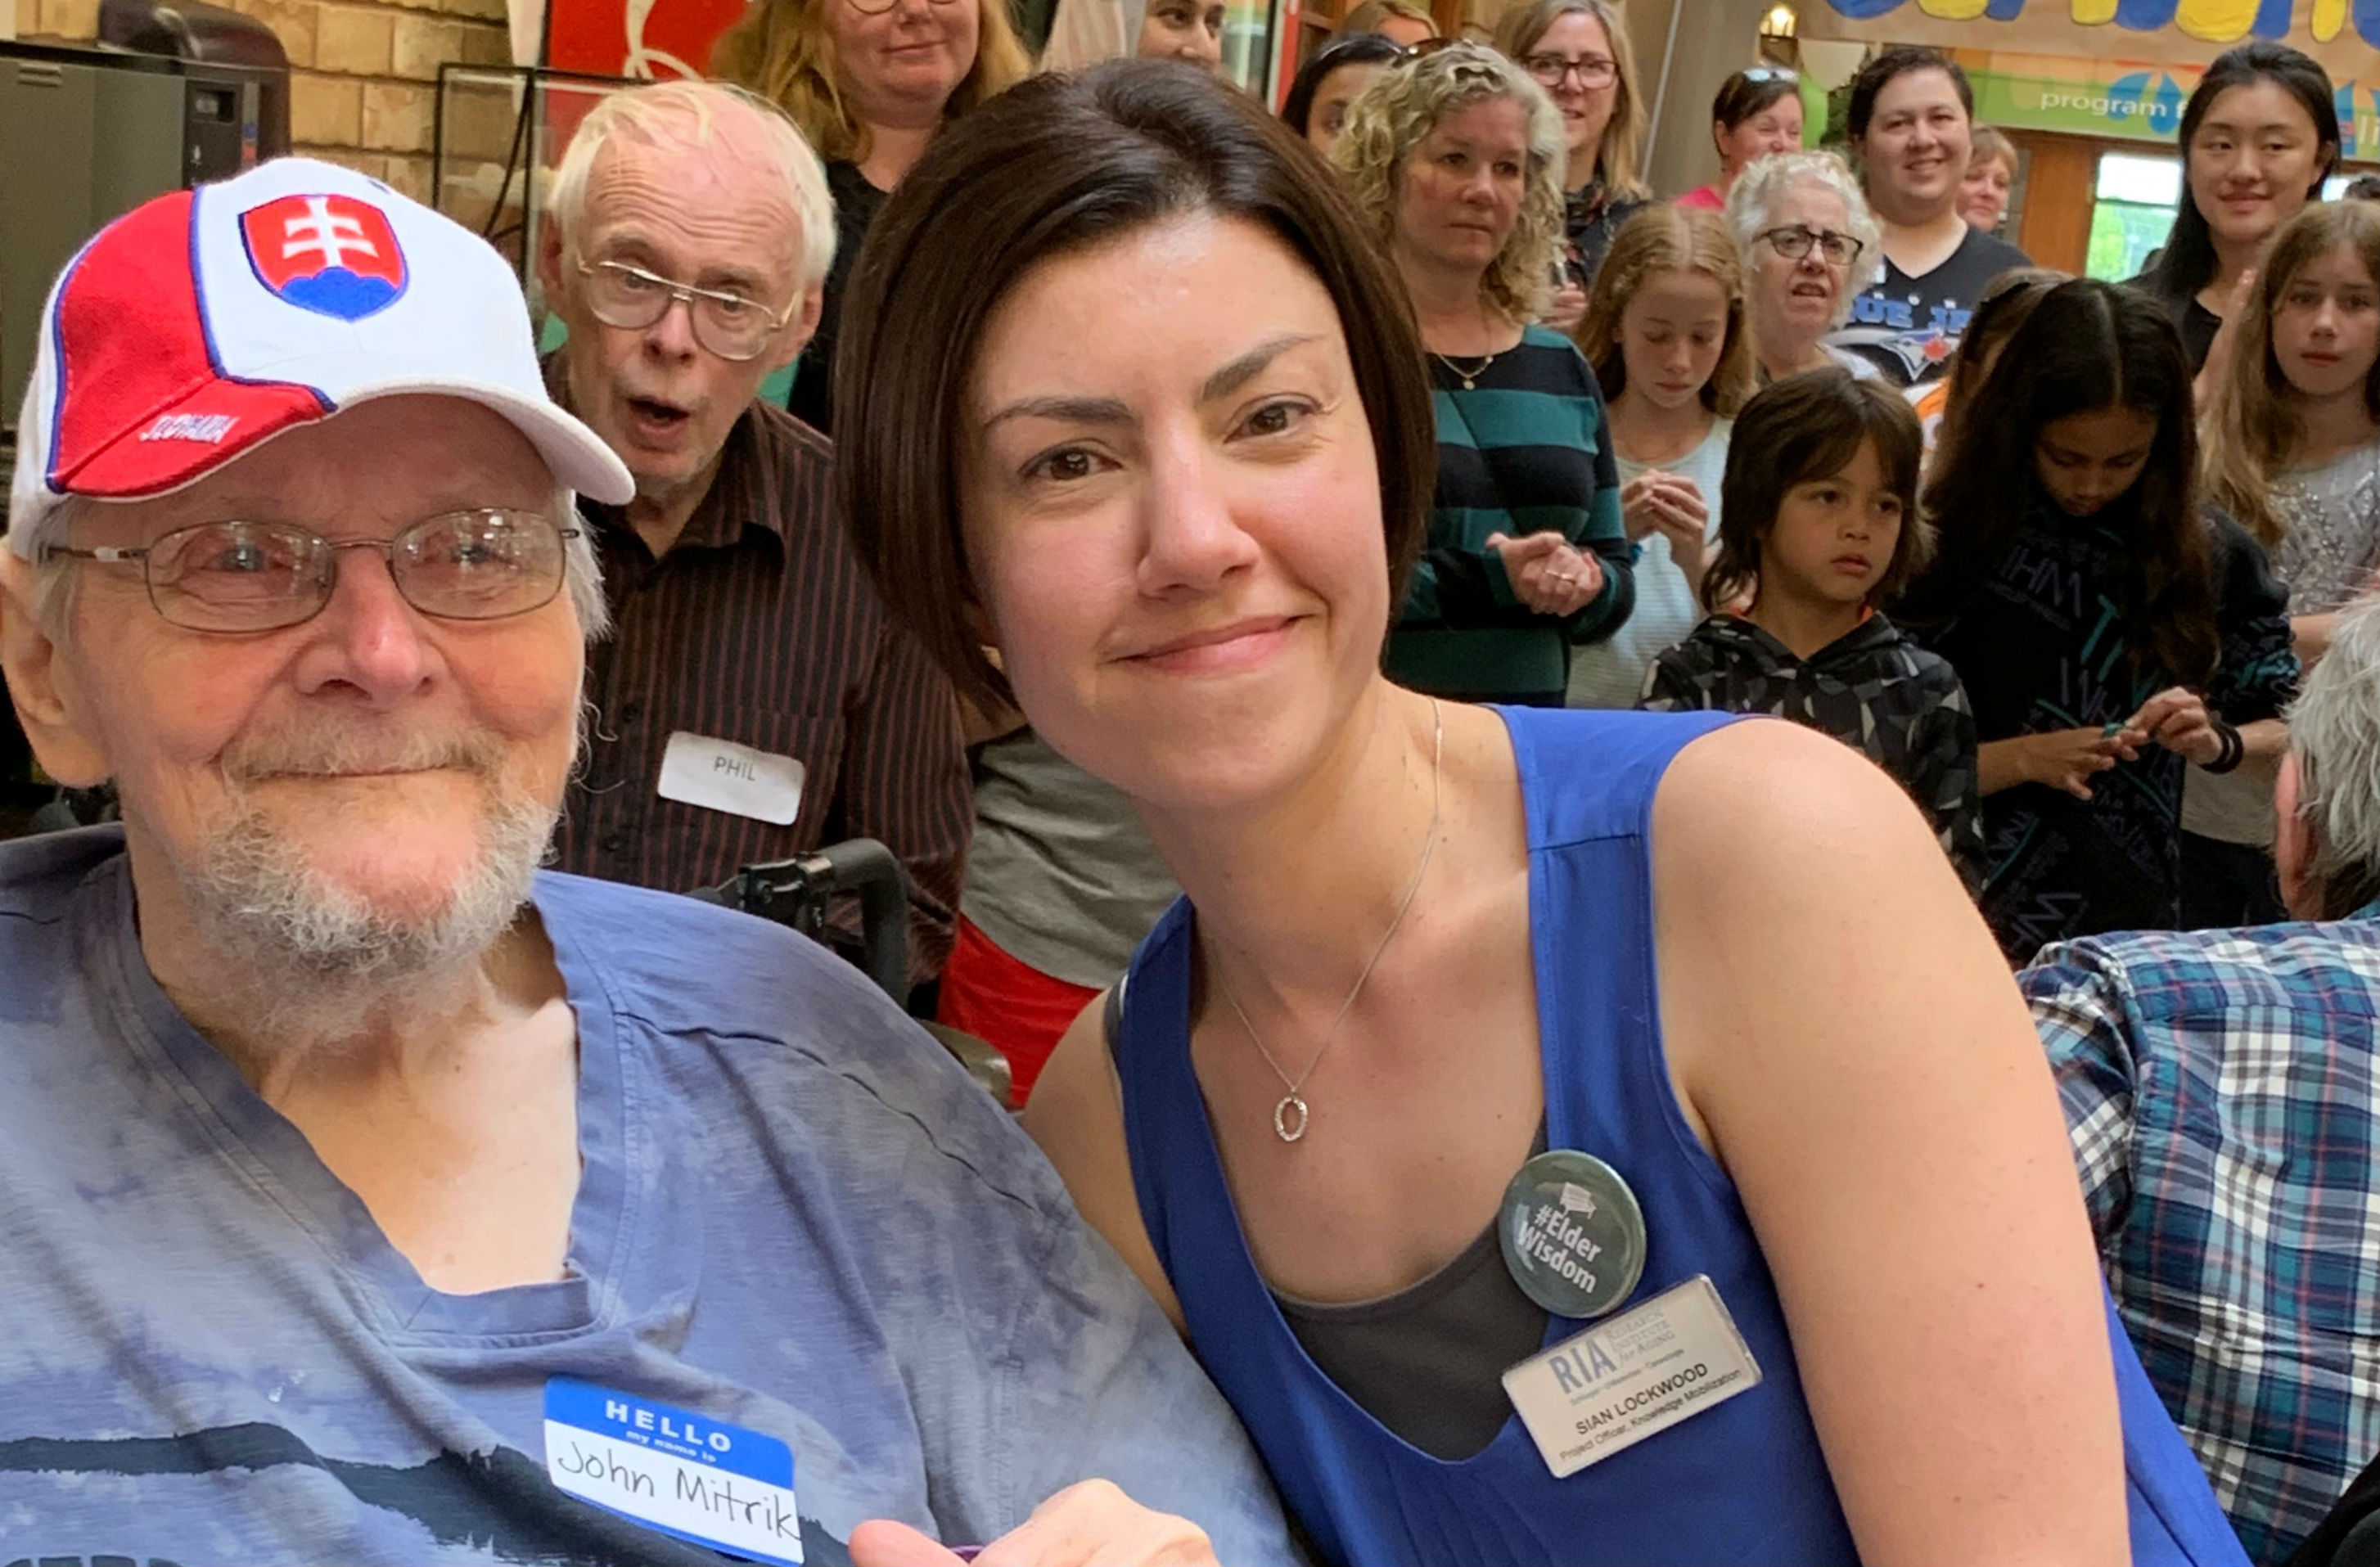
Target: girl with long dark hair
(2110, 633)
(2259, 136)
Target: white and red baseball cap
(203, 323)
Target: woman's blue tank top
(1743, 1482)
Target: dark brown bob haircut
(1054, 166)
(1805, 426)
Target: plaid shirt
(2222, 1091)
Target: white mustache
(320, 754)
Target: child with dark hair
(2110, 632)
(2000, 311)
(1818, 523)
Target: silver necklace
(1470, 377)
(1291, 1114)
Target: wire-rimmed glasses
(237, 576)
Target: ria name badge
(722, 775)
(674, 1471)
(1634, 1376)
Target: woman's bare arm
(1846, 1035)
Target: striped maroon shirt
(758, 626)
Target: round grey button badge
(1572, 1233)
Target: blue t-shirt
(797, 1219)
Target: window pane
(2146, 181)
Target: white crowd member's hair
(1766, 180)
(2335, 734)
(683, 114)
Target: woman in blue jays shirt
(1796, 1270)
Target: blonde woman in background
(1454, 157)
(1577, 49)
(870, 83)
(1399, 21)
(1991, 172)
(1809, 245)
(1665, 335)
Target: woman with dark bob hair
(1650, 1074)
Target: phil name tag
(674, 1471)
(1633, 1377)
(722, 775)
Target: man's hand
(1090, 1525)
(1548, 574)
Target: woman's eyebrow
(1250, 364)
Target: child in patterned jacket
(1819, 523)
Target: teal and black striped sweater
(1529, 449)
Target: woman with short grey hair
(1810, 245)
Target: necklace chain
(1468, 377)
(1291, 1114)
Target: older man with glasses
(367, 1196)
(752, 702)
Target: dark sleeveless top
(1743, 1482)
(1428, 1361)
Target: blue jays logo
(333, 255)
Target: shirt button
(631, 711)
(612, 843)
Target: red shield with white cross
(333, 255)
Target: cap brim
(130, 468)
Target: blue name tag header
(661, 1428)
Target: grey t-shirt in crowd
(804, 1248)
(1610, 673)
(2329, 547)
(1062, 875)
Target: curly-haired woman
(1456, 156)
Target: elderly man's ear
(2293, 846)
(39, 685)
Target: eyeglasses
(1593, 70)
(725, 323)
(1794, 242)
(1764, 74)
(265, 575)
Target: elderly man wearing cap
(366, 1195)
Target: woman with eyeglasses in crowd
(1577, 49)
(2259, 137)
(1453, 156)
(1756, 113)
(1911, 119)
(870, 83)
(1705, 988)
(1808, 245)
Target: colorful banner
(2343, 34)
(2127, 100)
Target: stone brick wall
(363, 76)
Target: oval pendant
(1288, 1118)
